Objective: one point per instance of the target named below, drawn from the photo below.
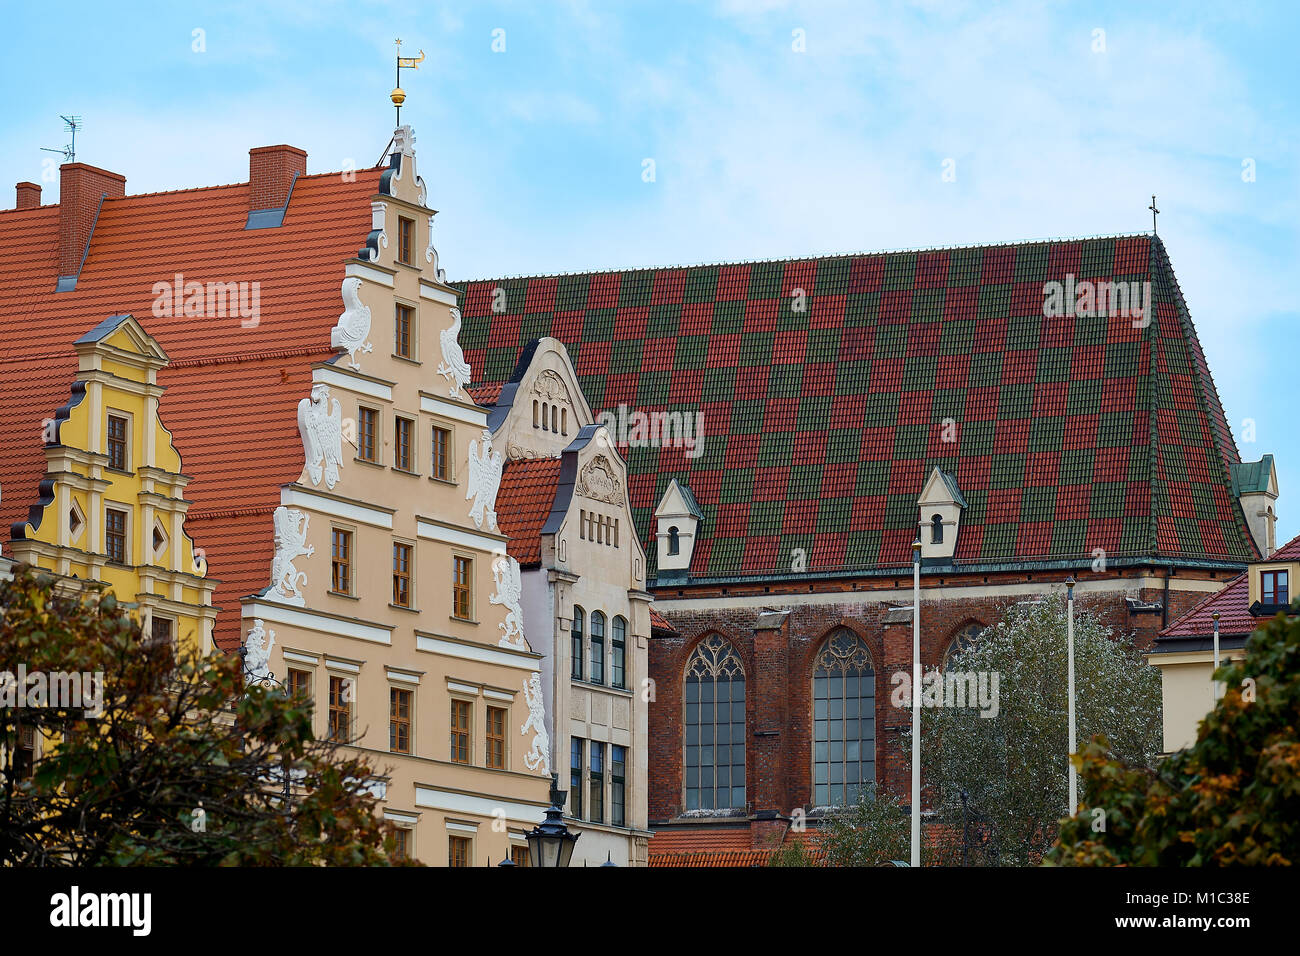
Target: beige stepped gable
(586, 609)
(386, 599)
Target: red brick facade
(778, 651)
(81, 188)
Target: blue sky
(535, 155)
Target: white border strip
(300, 658)
(461, 688)
(479, 806)
(437, 295)
(436, 406)
(457, 537)
(297, 498)
(461, 827)
(404, 678)
(398, 817)
(342, 666)
(365, 272)
(338, 378)
(497, 695)
(296, 617)
(474, 652)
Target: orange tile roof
(232, 394)
(660, 623)
(523, 504)
(485, 393)
(687, 847)
(700, 840)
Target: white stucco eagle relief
(257, 653)
(484, 481)
(321, 429)
(540, 753)
(353, 327)
(287, 582)
(453, 367)
(505, 570)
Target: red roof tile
(1231, 603)
(524, 502)
(485, 393)
(660, 623)
(232, 392)
(693, 840)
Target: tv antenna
(71, 124)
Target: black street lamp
(550, 843)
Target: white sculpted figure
(505, 570)
(257, 652)
(321, 429)
(454, 367)
(354, 324)
(484, 480)
(540, 754)
(290, 544)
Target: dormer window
(674, 545)
(936, 529)
(1273, 588)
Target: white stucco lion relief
(540, 754)
(257, 652)
(484, 480)
(505, 570)
(321, 429)
(287, 581)
(353, 327)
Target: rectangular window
(496, 738)
(115, 535)
(462, 582)
(117, 442)
(460, 731)
(1275, 588)
(402, 575)
(299, 683)
(402, 431)
(405, 239)
(341, 561)
(402, 838)
(618, 785)
(458, 851)
(575, 778)
(161, 630)
(519, 855)
(441, 453)
(597, 777)
(597, 647)
(399, 720)
(367, 434)
(24, 756)
(582, 524)
(402, 330)
(618, 654)
(340, 712)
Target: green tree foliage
(875, 831)
(1231, 799)
(999, 784)
(185, 765)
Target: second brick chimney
(81, 188)
(271, 171)
(29, 196)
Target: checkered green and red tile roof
(1066, 434)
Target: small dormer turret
(1255, 485)
(941, 504)
(677, 522)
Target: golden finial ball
(399, 96)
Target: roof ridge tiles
(808, 258)
(255, 356)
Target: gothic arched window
(936, 529)
(961, 642)
(715, 727)
(844, 720)
(674, 545)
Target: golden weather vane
(411, 63)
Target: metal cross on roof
(1154, 213)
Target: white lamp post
(1069, 679)
(1214, 684)
(916, 702)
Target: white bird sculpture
(454, 367)
(354, 324)
(484, 481)
(322, 435)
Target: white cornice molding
(453, 410)
(344, 379)
(294, 497)
(363, 271)
(461, 538)
(315, 621)
(476, 652)
(486, 807)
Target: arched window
(674, 545)
(844, 720)
(564, 421)
(578, 649)
(545, 410)
(534, 413)
(936, 529)
(597, 647)
(715, 727)
(555, 418)
(618, 654)
(961, 642)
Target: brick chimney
(271, 170)
(81, 188)
(29, 196)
